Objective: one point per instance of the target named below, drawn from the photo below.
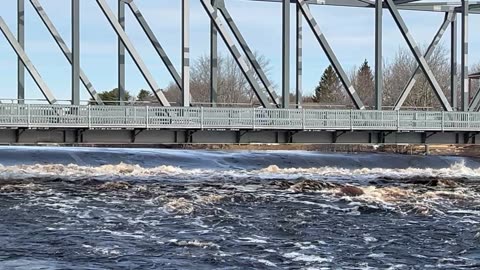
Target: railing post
(201, 118)
(398, 120)
(443, 121)
(89, 111)
(383, 119)
(135, 115)
(146, 117)
(253, 118)
(468, 120)
(29, 120)
(11, 114)
(304, 123)
(351, 120)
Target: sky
(350, 32)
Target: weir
(272, 118)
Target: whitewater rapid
(74, 208)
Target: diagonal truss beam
(246, 70)
(21, 41)
(248, 52)
(475, 101)
(133, 52)
(26, 62)
(449, 17)
(156, 44)
(64, 48)
(331, 55)
(179, 80)
(418, 56)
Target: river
(86, 208)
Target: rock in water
(351, 191)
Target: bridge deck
(30, 116)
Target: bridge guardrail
(117, 117)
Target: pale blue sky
(349, 30)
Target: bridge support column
(186, 53)
(299, 55)
(453, 63)
(213, 58)
(21, 41)
(465, 81)
(121, 55)
(75, 52)
(378, 54)
(286, 54)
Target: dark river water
(74, 208)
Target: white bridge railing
(133, 117)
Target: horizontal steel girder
(417, 6)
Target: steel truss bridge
(274, 121)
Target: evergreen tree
(145, 95)
(328, 89)
(112, 96)
(364, 84)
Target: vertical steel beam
(133, 52)
(26, 62)
(418, 71)
(331, 55)
(186, 53)
(21, 41)
(453, 62)
(299, 55)
(213, 58)
(64, 48)
(121, 55)
(465, 81)
(246, 70)
(286, 54)
(255, 66)
(378, 54)
(418, 56)
(75, 52)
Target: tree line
(234, 89)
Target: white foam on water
(130, 170)
(267, 262)
(106, 251)
(300, 257)
(253, 240)
(454, 171)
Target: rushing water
(173, 209)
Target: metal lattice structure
(459, 122)
(223, 25)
